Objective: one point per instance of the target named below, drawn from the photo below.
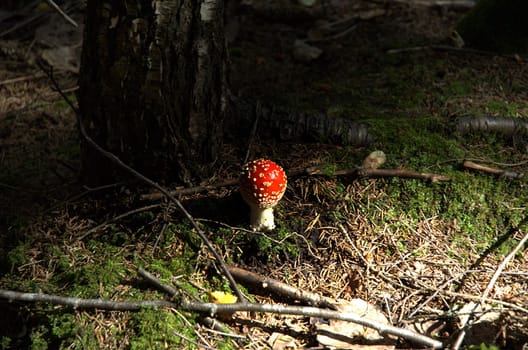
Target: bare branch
(446, 48)
(190, 190)
(310, 171)
(62, 13)
(310, 311)
(277, 287)
(80, 303)
(214, 309)
(498, 172)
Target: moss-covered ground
(418, 250)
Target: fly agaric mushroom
(262, 185)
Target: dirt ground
(422, 253)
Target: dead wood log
(292, 126)
(503, 125)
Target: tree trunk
(152, 87)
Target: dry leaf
(304, 52)
(486, 325)
(339, 334)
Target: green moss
(62, 331)
(159, 329)
(38, 339)
(64, 327)
(483, 346)
(478, 205)
(5, 342)
(460, 87)
(18, 255)
(501, 108)
(62, 104)
(418, 142)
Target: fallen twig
(277, 287)
(443, 48)
(190, 190)
(360, 172)
(403, 174)
(214, 309)
(21, 79)
(475, 297)
(498, 172)
(497, 163)
(62, 13)
(310, 171)
(80, 303)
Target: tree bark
(153, 87)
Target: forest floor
(423, 253)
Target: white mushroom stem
(262, 219)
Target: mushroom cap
(262, 183)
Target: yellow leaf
(42, 6)
(218, 297)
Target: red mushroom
(262, 185)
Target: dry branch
(446, 48)
(215, 309)
(403, 174)
(279, 288)
(190, 190)
(310, 171)
(498, 172)
(62, 13)
(361, 172)
(80, 303)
